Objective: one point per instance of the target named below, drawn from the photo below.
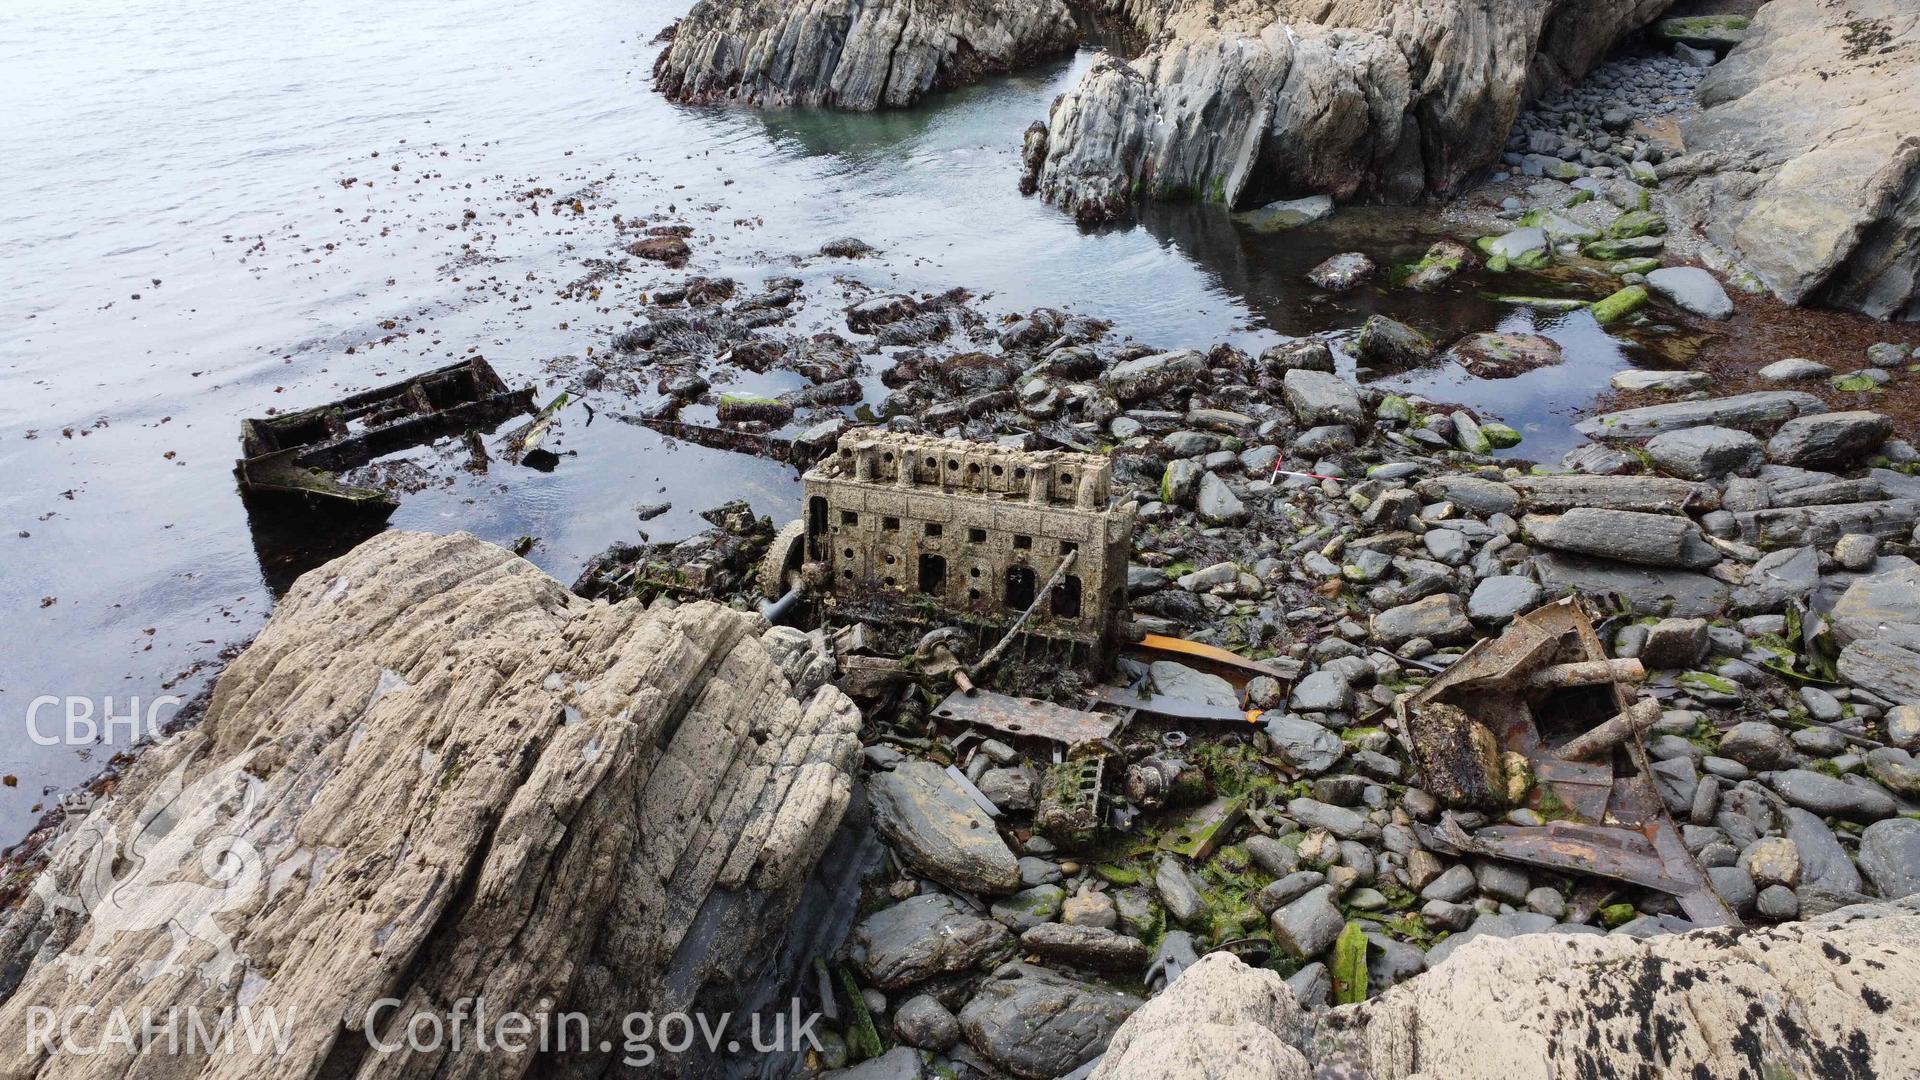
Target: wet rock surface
(862, 56)
(942, 832)
(917, 939)
(1036, 1023)
(1211, 110)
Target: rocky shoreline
(1751, 552)
(1285, 99)
(438, 771)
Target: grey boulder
(1794, 369)
(1625, 536)
(1308, 926)
(923, 1022)
(1706, 452)
(1498, 599)
(1439, 618)
(1387, 343)
(939, 830)
(1325, 690)
(1216, 503)
(1317, 397)
(1086, 946)
(1304, 744)
(1890, 857)
(1692, 289)
(1760, 409)
(1037, 1023)
(1342, 272)
(921, 937)
(1859, 800)
(1830, 440)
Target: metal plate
(1174, 707)
(1197, 833)
(1581, 787)
(1026, 717)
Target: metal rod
(993, 654)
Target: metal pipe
(774, 610)
(1602, 738)
(1586, 673)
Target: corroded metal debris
(295, 458)
(1027, 717)
(985, 534)
(1541, 717)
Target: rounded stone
(1778, 902)
(1903, 727)
(1773, 860)
(924, 1022)
(1890, 857)
(1547, 901)
(1089, 908)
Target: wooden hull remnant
(294, 459)
(1541, 717)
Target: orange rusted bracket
(1233, 667)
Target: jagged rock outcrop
(1831, 997)
(1804, 163)
(853, 54)
(1245, 101)
(437, 775)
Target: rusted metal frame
(1697, 899)
(1483, 682)
(297, 454)
(1586, 673)
(992, 656)
(1622, 854)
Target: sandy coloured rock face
(437, 774)
(1802, 999)
(1803, 162)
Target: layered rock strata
(437, 775)
(853, 54)
(1245, 102)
